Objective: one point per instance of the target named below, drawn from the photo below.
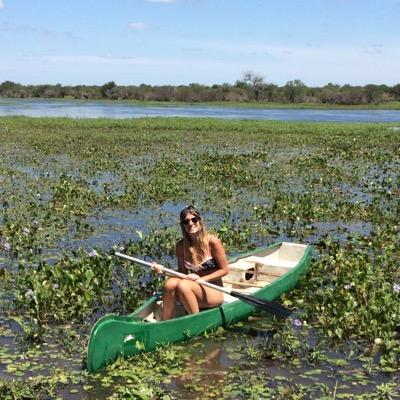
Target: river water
(117, 109)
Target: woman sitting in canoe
(200, 255)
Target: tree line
(251, 88)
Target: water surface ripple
(119, 110)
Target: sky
(178, 42)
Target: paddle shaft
(174, 273)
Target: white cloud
(137, 26)
(91, 69)
(1, 4)
(314, 66)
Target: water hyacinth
(26, 231)
(7, 246)
(144, 281)
(297, 322)
(345, 269)
(93, 253)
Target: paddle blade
(270, 306)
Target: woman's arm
(218, 253)
(180, 257)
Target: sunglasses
(194, 220)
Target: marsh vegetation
(74, 191)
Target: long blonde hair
(198, 248)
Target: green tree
(294, 91)
(107, 88)
(269, 92)
(395, 92)
(373, 93)
(10, 89)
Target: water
(118, 110)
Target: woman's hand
(193, 277)
(156, 268)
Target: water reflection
(119, 110)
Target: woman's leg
(169, 297)
(193, 296)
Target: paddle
(270, 306)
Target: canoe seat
(242, 265)
(269, 268)
(241, 271)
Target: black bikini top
(211, 263)
(207, 265)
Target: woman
(200, 255)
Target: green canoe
(265, 273)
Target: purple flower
(396, 287)
(25, 231)
(55, 286)
(144, 281)
(93, 253)
(7, 246)
(297, 322)
(35, 222)
(30, 294)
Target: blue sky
(176, 42)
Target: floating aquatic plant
(73, 189)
